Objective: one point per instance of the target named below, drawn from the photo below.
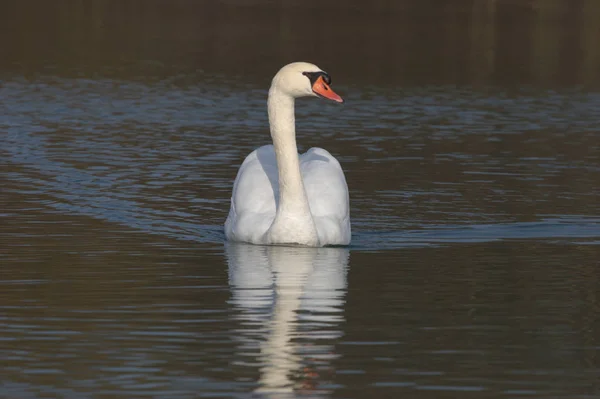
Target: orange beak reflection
(322, 89)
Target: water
(473, 162)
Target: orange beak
(322, 89)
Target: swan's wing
(253, 203)
(325, 184)
(327, 193)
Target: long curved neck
(283, 133)
(293, 210)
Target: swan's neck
(283, 133)
(293, 222)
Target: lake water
(470, 140)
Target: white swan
(280, 197)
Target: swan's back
(327, 194)
(256, 192)
(254, 197)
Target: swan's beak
(322, 89)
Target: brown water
(471, 147)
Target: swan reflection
(290, 302)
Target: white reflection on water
(288, 299)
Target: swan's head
(302, 79)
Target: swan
(280, 197)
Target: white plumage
(280, 197)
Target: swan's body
(280, 197)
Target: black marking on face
(313, 76)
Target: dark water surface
(471, 143)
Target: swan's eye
(313, 76)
